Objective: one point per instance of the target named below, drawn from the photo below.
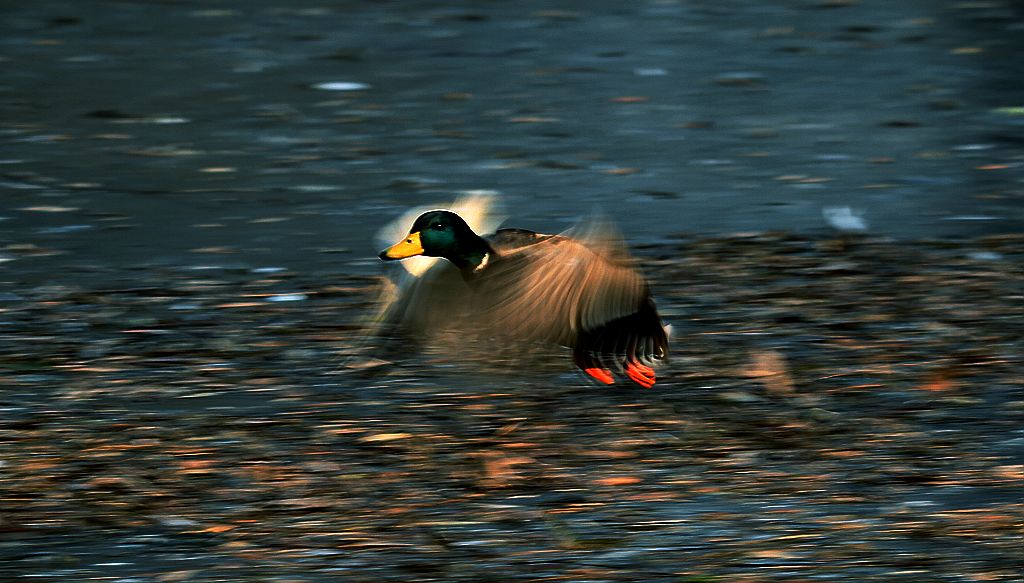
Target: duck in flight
(578, 289)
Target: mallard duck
(576, 289)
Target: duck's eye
(437, 226)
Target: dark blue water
(134, 132)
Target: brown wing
(558, 287)
(429, 302)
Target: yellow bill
(408, 247)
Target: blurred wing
(428, 302)
(406, 312)
(558, 286)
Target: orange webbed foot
(640, 374)
(601, 374)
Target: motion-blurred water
(274, 133)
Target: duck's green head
(439, 234)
